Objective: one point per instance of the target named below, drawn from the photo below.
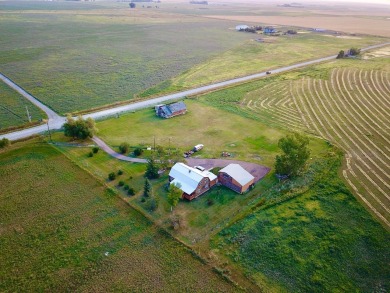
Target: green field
(320, 241)
(83, 57)
(13, 109)
(61, 230)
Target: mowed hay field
(61, 230)
(13, 109)
(76, 56)
(347, 103)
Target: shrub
(130, 191)
(210, 202)
(121, 183)
(111, 176)
(90, 154)
(95, 150)
(4, 143)
(151, 204)
(120, 172)
(124, 148)
(126, 187)
(176, 222)
(138, 152)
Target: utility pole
(28, 115)
(48, 129)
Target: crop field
(84, 56)
(13, 109)
(61, 230)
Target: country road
(56, 121)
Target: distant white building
(241, 27)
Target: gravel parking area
(258, 171)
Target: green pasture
(13, 109)
(61, 230)
(319, 240)
(79, 58)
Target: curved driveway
(56, 121)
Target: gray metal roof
(238, 173)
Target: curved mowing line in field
(347, 146)
(349, 138)
(360, 182)
(378, 89)
(268, 101)
(301, 114)
(369, 117)
(358, 138)
(385, 81)
(346, 149)
(362, 83)
(358, 107)
(364, 200)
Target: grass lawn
(13, 109)
(62, 230)
(321, 240)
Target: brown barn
(171, 110)
(236, 178)
(193, 182)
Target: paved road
(49, 112)
(56, 121)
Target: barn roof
(188, 177)
(176, 107)
(238, 173)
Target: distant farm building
(241, 27)
(236, 178)
(171, 110)
(269, 30)
(193, 181)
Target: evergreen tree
(151, 170)
(147, 188)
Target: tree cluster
(79, 128)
